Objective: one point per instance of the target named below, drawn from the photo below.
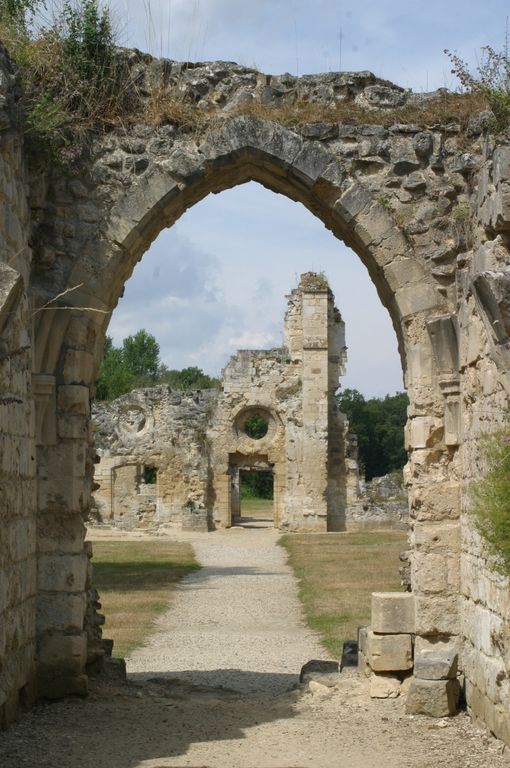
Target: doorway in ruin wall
(252, 495)
(96, 265)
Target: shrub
(490, 499)
(72, 76)
(491, 79)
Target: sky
(216, 281)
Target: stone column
(63, 479)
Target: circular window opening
(256, 426)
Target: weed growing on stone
(491, 79)
(71, 73)
(490, 498)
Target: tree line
(379, 425)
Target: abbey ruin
(424, 204)
(197, 443)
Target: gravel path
(235, 623)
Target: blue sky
(217, 280)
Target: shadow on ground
(127, 725)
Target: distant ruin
(197, 442)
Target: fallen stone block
(435, 666)
(435, 698)
(319, 689)
(390, 653)
(324, 672)
(393, 612)
(384, 686)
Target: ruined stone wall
(402, 195)
(17, 425)
(484, 330)
(198, 444)
(154, 428)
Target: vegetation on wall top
(76, 81)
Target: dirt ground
(189, 711)
(151, 725)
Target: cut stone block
(436, 666)
(393, 612)
(363, 640)
(384, 686)
(324, 672)
(435, 698)
(390, 653)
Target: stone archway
(425, 209)
(242, 149)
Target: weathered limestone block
(435, 698)
(435, 503)
(430, 665)
(384, 686)
(74, 399)
(436, 615)
(390, 653)
(64, 573)
(436, 573)
(392, 612)
(325, 672)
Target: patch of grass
(257, 507)
(135, 580)
(337, 573)
(443, 110)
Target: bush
(72, 77)
(490, 499)
(491, 79)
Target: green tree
(115, 379)
(379, 425)
(19, 9)
(141, 357)
(88, 40)
(187, 378)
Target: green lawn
(257, 508)
(337, 573)
(135, 580)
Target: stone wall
(17, 424)
(380, 503)
(484, 352)
(154, 428)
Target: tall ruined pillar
(314, 308)
(315, 340)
